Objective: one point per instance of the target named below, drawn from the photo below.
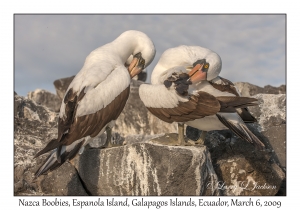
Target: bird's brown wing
(198, 106)
(72, 128)
(227, 86)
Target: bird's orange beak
(196, 74)
(131, 66)
(136, 66)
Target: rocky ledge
(147, 168)
(226, 165)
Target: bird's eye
(206, 66)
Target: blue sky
(49, 47)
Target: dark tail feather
(231, 103)
(52, 163)
(246, 116)
(257, 143)
(53, 144)
(242, 131)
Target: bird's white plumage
(185, 56)
(104, 75)
(200, 94)
(179, 59)
(207, 123)
(158, 96)
(103, 78)
(105, 92)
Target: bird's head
(143, 54)
(206, 69)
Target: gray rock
(232, 156)
(17, 104)
(142, 167)
(45, 98)
(269, 89)
(271, 126)
(136, 138)
(247, 89)
(97, 142)
(34, 126)
(241, 168)
(147, 169)
(63, 181)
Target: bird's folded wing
(231, 103)
(92, 124)
(75, 128)
(198, 106)
(224, 85)
(70, 101)
(85, 112)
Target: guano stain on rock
(145, 168)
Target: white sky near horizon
(49, 47)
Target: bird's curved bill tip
(197, 75)
(134, 69)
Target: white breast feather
(158, 96)
(105, 92)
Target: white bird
(97, 95)
(186, 89)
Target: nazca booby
(97, 95)
(185, 88)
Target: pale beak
(196, 74)
(135, 71)
(136, 66)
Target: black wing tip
(52, 144)
(54, 160)
(45, 168)
(36, 175)
(240, 132)
(255, 141)
(246, 116)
